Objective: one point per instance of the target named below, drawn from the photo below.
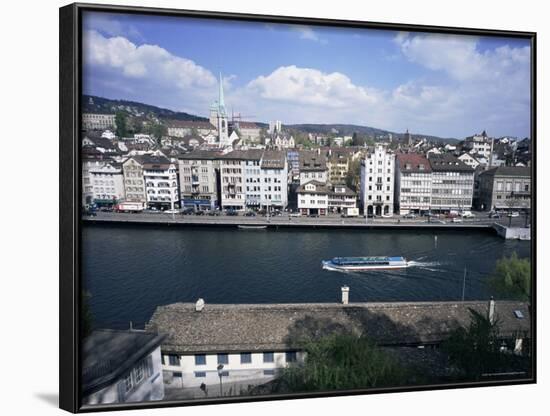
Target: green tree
(475, 350)
(353, 177)
(157, 131)
(343, 362)
(512, 277)
(121, 124)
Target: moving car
(456, 219)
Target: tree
(512, 277)
(353, 177)
(157, 131)
(341, 361)
(121, 124)
(475, 350)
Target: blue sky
(433, 84)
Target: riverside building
(377, 181)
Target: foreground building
(107, 183)
(413, 183)
(313, 198)
(199, 175)
(121, 367)
(377, 181)
(505, 187)
(452, 183)
(151, 179)
(255, 342)
(341, 199)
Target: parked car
(513, 214)
(456, 219)
(231, 212)
(295, 215)
(171, 211)
(187, 211)
(199, 212)
(249, 214)
(213, 213)
(494, 215)
(410, 216)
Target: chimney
(199, 306)
(345, 295)
(491, 311)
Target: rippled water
(130, 270)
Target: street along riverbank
(285, 221)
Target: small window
(199, 374)
(177, 374)
(200, 359)
(246, 357)
(291, 356)
(174, 359)
(269, 357)
(225, 373)
(223, 359)
(269, 372)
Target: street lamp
(220, 374)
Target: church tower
(223, 135)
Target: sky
(433, 84)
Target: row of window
(245, 358)
(202, 374)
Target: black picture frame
(70, 37)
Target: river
(130, 270)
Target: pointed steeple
(221, 102)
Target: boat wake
(426, 265)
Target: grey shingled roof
(311, 161)
(268, 327)
(201, 155)
(107, 354)
(448, 163)
(273, 159)
(509, 171)
(320, 188)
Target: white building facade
(313, 198)
(107, 182)
(377, 181)
(161, 182)
(413, 184)
(452, 184)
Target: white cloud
(110, 26)
(162, 73)
(307, 33)
(311, 87)
(460, 90)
